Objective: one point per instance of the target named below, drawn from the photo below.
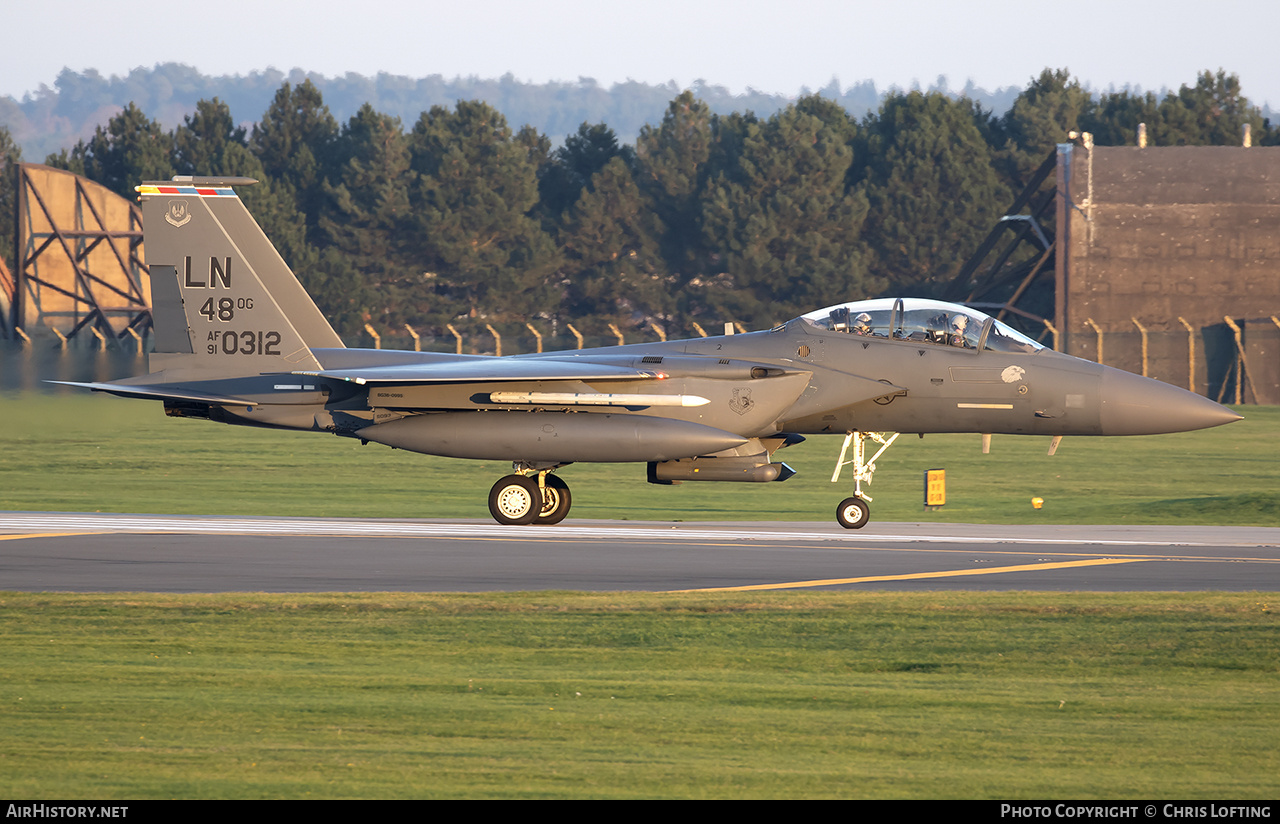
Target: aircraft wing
(489, 370)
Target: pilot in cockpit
(862, 324)
(959, 323)
(937, 329)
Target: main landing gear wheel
(853, 513)
(515, 500)
(555, 501)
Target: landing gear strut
(854, 513)
(555, 501)
(520, 498)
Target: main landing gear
(855, 513)
(524, 499)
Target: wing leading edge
(490, 370)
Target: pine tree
(932, 188)
(613, 266)
(1115, 118)
(201, 143)
(130, 149)
(672, 169)
(1040, 118)
(471, 199)
(1211, 113)
(365, 214)
(571, 167)
(294, 140)
(783, 221)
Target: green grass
(565, 695)
(81, 452)
(558, 695)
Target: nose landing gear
(854, 513)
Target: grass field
(82, 452)
(570, 695)
(561, 695)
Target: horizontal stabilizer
(157, 392)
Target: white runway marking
(93, 552)
(92, 522)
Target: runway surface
(86, 552)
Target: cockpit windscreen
(923, 321)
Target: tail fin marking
(218, 282)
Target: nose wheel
(853, 513)
(517, 500)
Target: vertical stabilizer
(224, 302)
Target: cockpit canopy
(924, 321)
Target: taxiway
(89, 552)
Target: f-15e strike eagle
(238, 340)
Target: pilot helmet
(959, 322)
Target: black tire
(853, 513)
(514, 500)
(556, 501)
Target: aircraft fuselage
(238, 340)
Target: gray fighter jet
(238, 340)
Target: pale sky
(771, 46)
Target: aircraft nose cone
(1134, 405)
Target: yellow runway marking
(42, 535)
(920, 575)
